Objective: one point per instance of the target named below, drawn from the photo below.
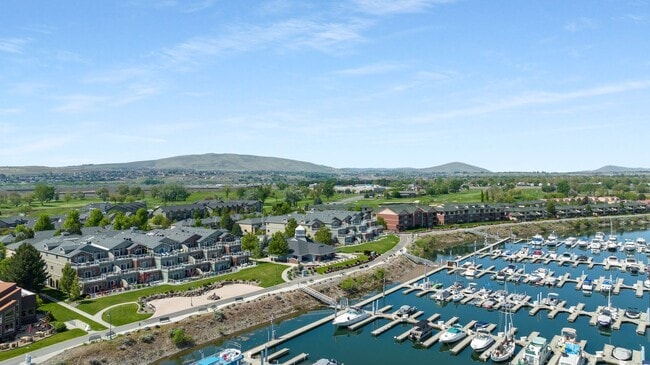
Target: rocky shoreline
(153, 344)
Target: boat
(552, 299)
(551, 241)
(404, 311)
(537, 240)
(605, 317)
(470, 289)
(537, 253)
(470, 272)
(565, 257)
(228, 356)
(457, 296)
(612, 246)
(537, 352)
(621, 353)
(632, 265)
(327, 362)
(441, 295)
(629, 245)
(506, 349)
(587, 286)
(570, 349)
(641, 244)
(350, 316)
(421, 331)
(482, 340)
(606, 285)
(500, 276)
(582, 243)
(612, 261)
(453, 334)
(571, 241)
(595, 244)
(632, 313)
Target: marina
(542, 291)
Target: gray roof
(300, 247)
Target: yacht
(641, 244)
(470, 272)
(582, 243)
(441, 295)
(470, 289)
(537, 352)
(421, 331)
(453, 334)
(404, 311)
(350, 316)
(571, 241)
(551, 241)
(482, 340)
(632, 265)
(552, 299)
(612, 246)
(595, 244)
(537, 240)
(605, 317)
(571, 351)
(612, 261)
(606, 285)
(599, 236)
(229, 356)
(326, 362)
(587, 286)
(629, 246)
(457, 296)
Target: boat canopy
(572, 348)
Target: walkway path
(97, 317)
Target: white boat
(612, 246)
(551, 241)
(470, 272)
(552, 299)
(632, 313)
(537, 352)
(453, 334)
(595, 244)
(632, 265)
(441, 295)
(327, 362)
(404, 311)
(350, 316)
(570, 349)
(582, 243)
(506, 349)
(537, 240)
(629, 245)
(606, 285)
(229, 356)
(482, 340)
(470, 289)
(457, 296)
(421, 331)
(612, 261)
(587, 286)
(621, 353)
(641, 244)
(600, 236)
(605, 317)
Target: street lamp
(110, 326)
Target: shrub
(180, 338)
(147, 338)
(59, 326)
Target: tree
(44, 193)
(290, 228)
(323, 235)
(382, 222)
(236, 230)
(278, 245)
(227, 190)
(250, 242)
(292, 196)
(22, 232)
(241, 192)
(140, 219)
(328, 189)
(161, 220)
(103, 194)
(121, 222)
(563, 187)
(550, 208)
(226, 221)
(75, 289)
(72, 224)
(67, 277)
(95, 218)
(26, 268)
(43, 223)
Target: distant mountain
(223, 162)
(610, 169)
(454, 168)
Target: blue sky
(536, 85)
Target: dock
(277, 354)
(576, 311)
(523, 342)
(297, 359)
(441, 328)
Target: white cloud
(384, 7)
(579, 24)
(13, 45)
(8, 111)
(79, 103)
(637, 18)
(372, 69)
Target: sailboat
(607, 315)
(506, 348)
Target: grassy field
(123, 314)
(54, 339)
(267, 274)
(62, 314)
(380, 246)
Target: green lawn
(62, 314)
(350, 262)
(54, 339)
(123, 314)
(267, 274)
(380, 246)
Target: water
(360, 347)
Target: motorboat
(228, 356)
(595, 244)
(453, 334)
(470, 272)
(551, 241)
(537, 240)
(470, 289)
(599, 236)
(641, 244)
(405, 311)
(629, 246)
(570, 349)
(605, 317)
(587, 286)
(632, 265)
(565, 257)
(582, 258)
(612, 246)
(482, 340)
(552, 299)
(500, 276)
(537, 352)
(606, 285)
(582, 243)
(327, 362)
(441, 295)
(421, 331)
(612, 261)
(571, 241)
(457, 296)
(632, 313)
(350, 316)
(489, 304)
(622, 354)
(537, 253)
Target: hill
(610, 169)
(454, 168)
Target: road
(43, 354)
